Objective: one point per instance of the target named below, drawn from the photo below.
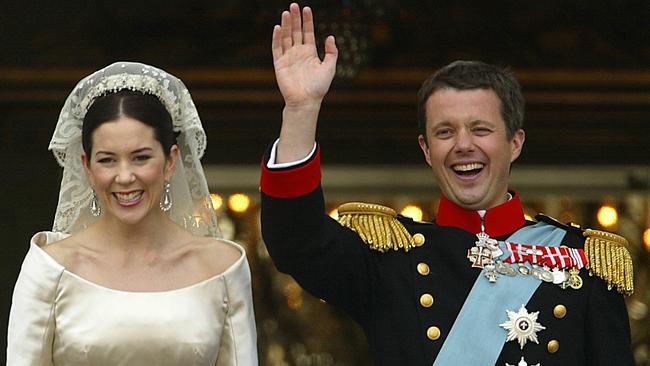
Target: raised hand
(303, 80)
(302, 77)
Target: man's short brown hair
(467, 75)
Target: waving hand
(302, 77)
(303, 80)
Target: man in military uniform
(480, 285)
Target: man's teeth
(468, 167)
(128, 197)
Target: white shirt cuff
(271, 164)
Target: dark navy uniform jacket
(389, 294)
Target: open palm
(301, 76)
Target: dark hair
(146, 108)
(466, 75)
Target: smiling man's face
(468, 148)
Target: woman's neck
(152, 233)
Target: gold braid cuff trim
(377, 226)
(609, 259)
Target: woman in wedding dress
(134, 271)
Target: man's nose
(464, 141)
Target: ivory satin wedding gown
(59, 318)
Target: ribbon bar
(553, 257)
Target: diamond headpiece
(192, 205)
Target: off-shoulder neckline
(231, 268)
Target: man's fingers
(296, 24)
(308, 26)
(286, 31)
(276, 45)
(331, 52)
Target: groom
(478, 286)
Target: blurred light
(528, 217)
(293, 293)
(195, 221)
(239, 202)
(646, 239)
(607, 215)
(217, 201)
(567, 216)
(334, 213)
(413, 212)
(637, 309)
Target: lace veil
(192, 207)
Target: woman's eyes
(142, 158)
(105, 160)
(137, 158)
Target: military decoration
(522, 362)
(483, 253)
(548, 264)
(575, 281)
(558, 265)
(522, 326)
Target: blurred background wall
(584, 68)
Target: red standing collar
(500, 220)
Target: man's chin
(469, 201)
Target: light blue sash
(475, 338)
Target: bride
(134, 271)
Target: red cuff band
(290, 183)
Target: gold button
(559, 311)
(553, 346)
(418, 239)
(433, 333)
(423, 268)
(426, 300)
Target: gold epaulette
(609, 259)
(377, 226)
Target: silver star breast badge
(522, 362)
(522, 325)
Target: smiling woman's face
(128, 168)
(467, 146)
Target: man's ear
(170, 164)
(425, 148)
(517, 143)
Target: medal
(522, 325)
(479, 256)
(522, 362)
(575, 281)
(549, 264)
(481, 253)
(505, 269)
(523, 269)
(542, 273)
(559, 276)
(491, 273)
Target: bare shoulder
(63, 251)
(75, 251)
(215, 255)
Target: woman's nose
(125, 174)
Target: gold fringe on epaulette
(376, 225)
(609, 259)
